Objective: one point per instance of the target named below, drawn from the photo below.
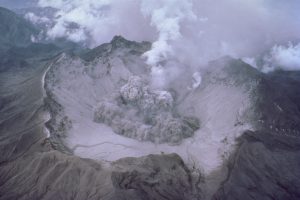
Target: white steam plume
(188, 33)
(166, 16)
(97, 21)
(282, 57)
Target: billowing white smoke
(166, 16)
(283, 57)
(36, 19)
(188, 33)
(279, 57)
(97, 21)
(287, 57)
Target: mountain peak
(118, 39)
(117, 43)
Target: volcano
(80, 123)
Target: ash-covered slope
(33, 167)
(277, 103)
(111, 84)
(266, 164)
(105, 108)
(114, 88)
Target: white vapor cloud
(187, 33)
(97, 21)
(282, 57)
(287, 57)
(36, 19)
(166, 16)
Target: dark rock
(155, 177)
(265, 166)
(14, 30)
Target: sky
(11, 4)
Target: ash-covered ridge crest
(117, 44)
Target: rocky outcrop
(14, 30)
(277, 103)
(156, 177)
(265, 166)
(118, 42)
(49, 174)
